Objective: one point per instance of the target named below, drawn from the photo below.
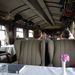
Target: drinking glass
(4, 69)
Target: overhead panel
(18, 10)
(10, 4)
(34, 5)
(54, 7)
(52, 27)
(43, 6)
(36, 19)
(54, 10)
(53, 0)
(42, 23)
(38, 22)
(42, 12)
(28, 13)
(57, 14)
(56, 18)
(32, 17)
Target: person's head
(58, 35)
(65, 34)
(37, 34)
(44, 35)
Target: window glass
(2, 35)
(0, 27)
(20, 29)
(30, 33)
(19, 32)
(3, 27)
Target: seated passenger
(37, 34)
(65, 34)
(44, 36)
(71, 35)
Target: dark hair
(66, 34)
(37, 33)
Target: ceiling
(43, 13)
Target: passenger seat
(31, 52)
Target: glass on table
(4, 69)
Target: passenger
(49, 36)
(58, 36)
(54, 36)
(65, 34)
(44, 36)
(70, 35)
(37, 34)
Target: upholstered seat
(17, 45)
(30, 52)
(64, 46)
(51, 51)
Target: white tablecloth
(40, 70)
(36, 70)
(8, 48)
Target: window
(2, 34)
(30, 33)
(19, 32)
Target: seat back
(17, 45)
(43, 52)
(30, 53)
(62, 47)
(51, 50)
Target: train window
(2, 34)
(30, 33)
(19, 32)
(2, 28)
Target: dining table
(43, 70)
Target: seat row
(38, 52)
(30, 52)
